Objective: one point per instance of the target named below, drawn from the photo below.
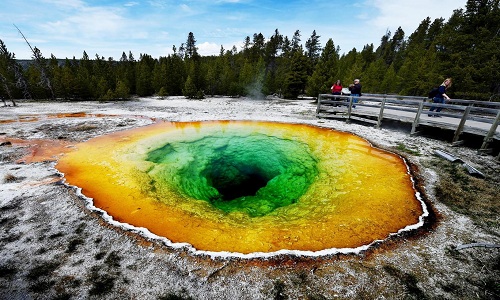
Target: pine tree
(189, 91)
(374, 76)
(296, 78)
(122, 90)
(245, 49)
(273, 46)
(212, 78)
(391, 49)
(191, 49)
(258, 47)
(144, 76)
(313, 49)
(176, 71)
(160, 75)
(296, 46)
(325, 72)
(350, 66)
(67, 81)
(10, 75)
(469, 42)
(83, 77)
(389, 83)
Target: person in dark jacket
(440, 97)
(355, 89)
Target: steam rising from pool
(248, 187)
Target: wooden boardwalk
(475, 117)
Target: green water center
(255, 174)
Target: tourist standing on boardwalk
(355, 89)
(337, 88)
(440, 97)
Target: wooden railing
(475, 117)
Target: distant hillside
(26, 62)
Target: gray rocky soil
(53, 247)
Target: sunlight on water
(243, 186)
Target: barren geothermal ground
(52, 246)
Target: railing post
(461, 125)
(417, 118)
(319, 104)
(488, 137)
(381, 113)
(349, 109)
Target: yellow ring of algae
(360, 195)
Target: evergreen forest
(466, 47)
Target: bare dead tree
(21, 82)
(40, 63)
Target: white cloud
(71, 26)
(88, 22)
(231, 1)
(207, 48)
(66, 3)
(185, 8)
(131, 4)
(158, 3)
(409, 13)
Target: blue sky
(66, 28)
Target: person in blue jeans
(355, 89)
(440, 97)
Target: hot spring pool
(248, 187)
